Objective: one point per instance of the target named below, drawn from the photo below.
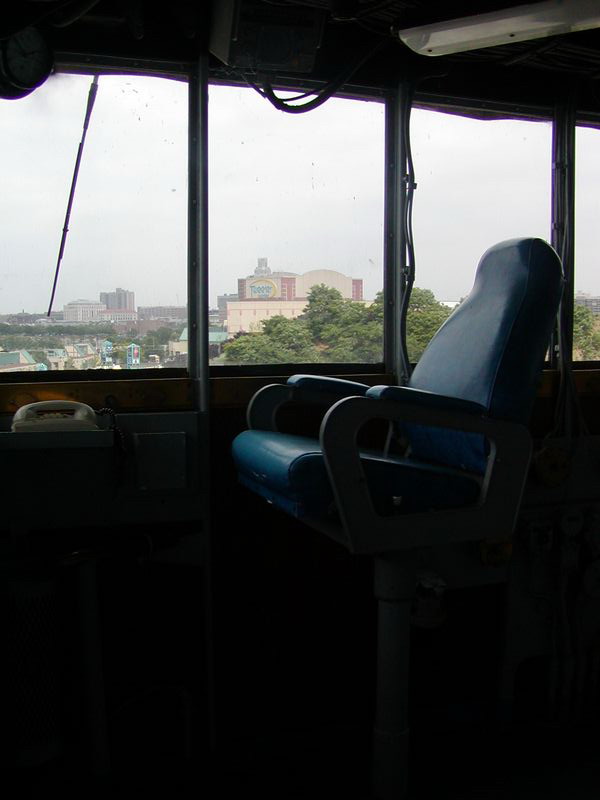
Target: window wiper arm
(63, 240)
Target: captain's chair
(463, 415)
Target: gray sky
(306, 191)
(128, 225)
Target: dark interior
(198, 642)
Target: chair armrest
(307, 389)
(405, 394)
(331, 389)
(494, 515)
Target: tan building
(83, 311)
(81, 355)
(247, 316)
(117, 315)
(165, 313)
(179, 346)
(267, 294)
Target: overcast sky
(305, 191)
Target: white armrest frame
(492, 516)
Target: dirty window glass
(296, 231)
(479, 182)
(121, 295)
(586, 327)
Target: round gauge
(25, 62)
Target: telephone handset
(54, 415)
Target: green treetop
(333, 329)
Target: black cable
(324, 94)
(568, 419)
(78, 9)
(251, 84)
(298, 97)
(282, 105)
(63, 240)
(408, 188)
(119, 435)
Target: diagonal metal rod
(63, 240)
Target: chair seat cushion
(289, 471)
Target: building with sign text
(267, 294)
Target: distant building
(133, 355)
(57, 357)
(267, 294)
(145, 326)
(119, 300)
(179, 347)
(586, 300)
(19, 361)
(83, 311)
(116, 315)
(267, 285)
(81, 355)
(106, 353)
(222, 300)
(21, 318)
(216, 342)
(168, 313)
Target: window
(479, 182)
(296, 230)
(122, 290)
(586, 328)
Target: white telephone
(54, 415)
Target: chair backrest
(491, 349)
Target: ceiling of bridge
(178, 30)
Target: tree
(281, 341)
(165, 334)
(40, 357)
(325, 305)
(424, 317)
(333, 329)
(355, 334)
(586, 334)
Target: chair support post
(394, 589)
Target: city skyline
(307, 191)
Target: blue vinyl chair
(463, 416)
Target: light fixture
(516, 24)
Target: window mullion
(395, 234)
(198, 234)
(563, 218)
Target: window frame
(198, 373)
(221, 77)
(187, 73)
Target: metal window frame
(198, 322)
(350, 92)
(563, 221)
(197, 75)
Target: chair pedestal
(394, 589)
